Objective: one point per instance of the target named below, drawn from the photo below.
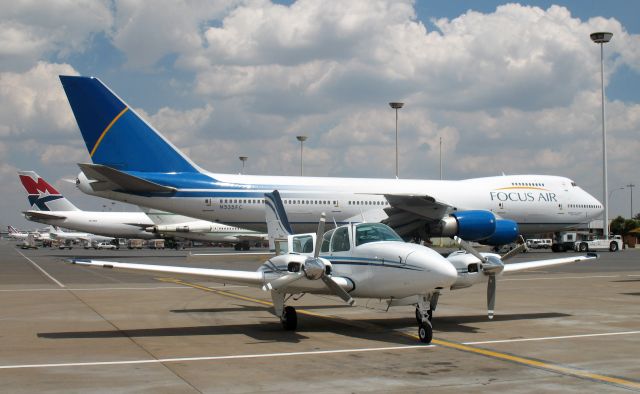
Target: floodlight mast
(602, 38)
(396, 105)
(302, 139)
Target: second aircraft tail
(42, 196)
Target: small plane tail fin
(12, 230)
(115, 135)
(278, 227)
(41, 195)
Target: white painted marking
(564, 277)
(41, 270)
(215, 358)
(552, 338)
(96, 289)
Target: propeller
(312, 268)
(491, 266)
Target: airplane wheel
(425, 332)
(289, 318)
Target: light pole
(615, 190)
(302, 139)
(243, 159)
(396, 106)
(631, 186)
(602, 38)
(440, 158)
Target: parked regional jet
(366, 260)
(55, 209)
(13, 233)
(134, 163)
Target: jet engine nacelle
(469, 225)
(506, 231)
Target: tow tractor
(612, 244)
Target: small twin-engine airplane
(365, 260)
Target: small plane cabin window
(340, 240)
(374, 232)
(326, 238)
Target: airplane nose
(447, 273)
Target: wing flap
(514, 267)
(253, 278)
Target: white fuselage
(538, 203)
(109, 224)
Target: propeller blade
(337, 290)
(522, 247)
(491, 295)
(283, 281)
(465, 245)
(319, 234)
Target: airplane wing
(410, 212)
(107, 178)
(514, 267)
(253, 278)
(42, 215)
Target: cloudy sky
(511, 88)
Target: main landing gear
(424, 314)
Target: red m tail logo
(37, 187)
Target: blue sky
(510, 87)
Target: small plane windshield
(375, 232)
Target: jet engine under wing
(254, 278)
(107, 178)
(410, 212)
(42, 215)
(513, 267)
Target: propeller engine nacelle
(506, 231)
(469, 225)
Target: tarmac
(66, 328)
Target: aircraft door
(340, 246)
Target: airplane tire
(613, 247)
(425, 332)
(289, 318)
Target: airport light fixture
(615, 190)
(302, 139)
(243, 159)
(396, 106)
(602, 38)
(631, 186)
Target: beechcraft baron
(367, 260)
(134, 163)
(51, 207)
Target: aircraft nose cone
(439, 271)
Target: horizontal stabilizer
(42, 215)
(107, 178)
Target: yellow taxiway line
(529, 362)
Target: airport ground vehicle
(135, 243)
(612, 244)
(564, 241)
(156, 243)
(544, 243)
(105, 245)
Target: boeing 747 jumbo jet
(50, 207)
(134, 163)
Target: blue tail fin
(115, 135)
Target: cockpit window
(325, 241)
(375, 232)
(340, 240)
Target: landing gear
(289, 318)
(424, 314)
(425, 332)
